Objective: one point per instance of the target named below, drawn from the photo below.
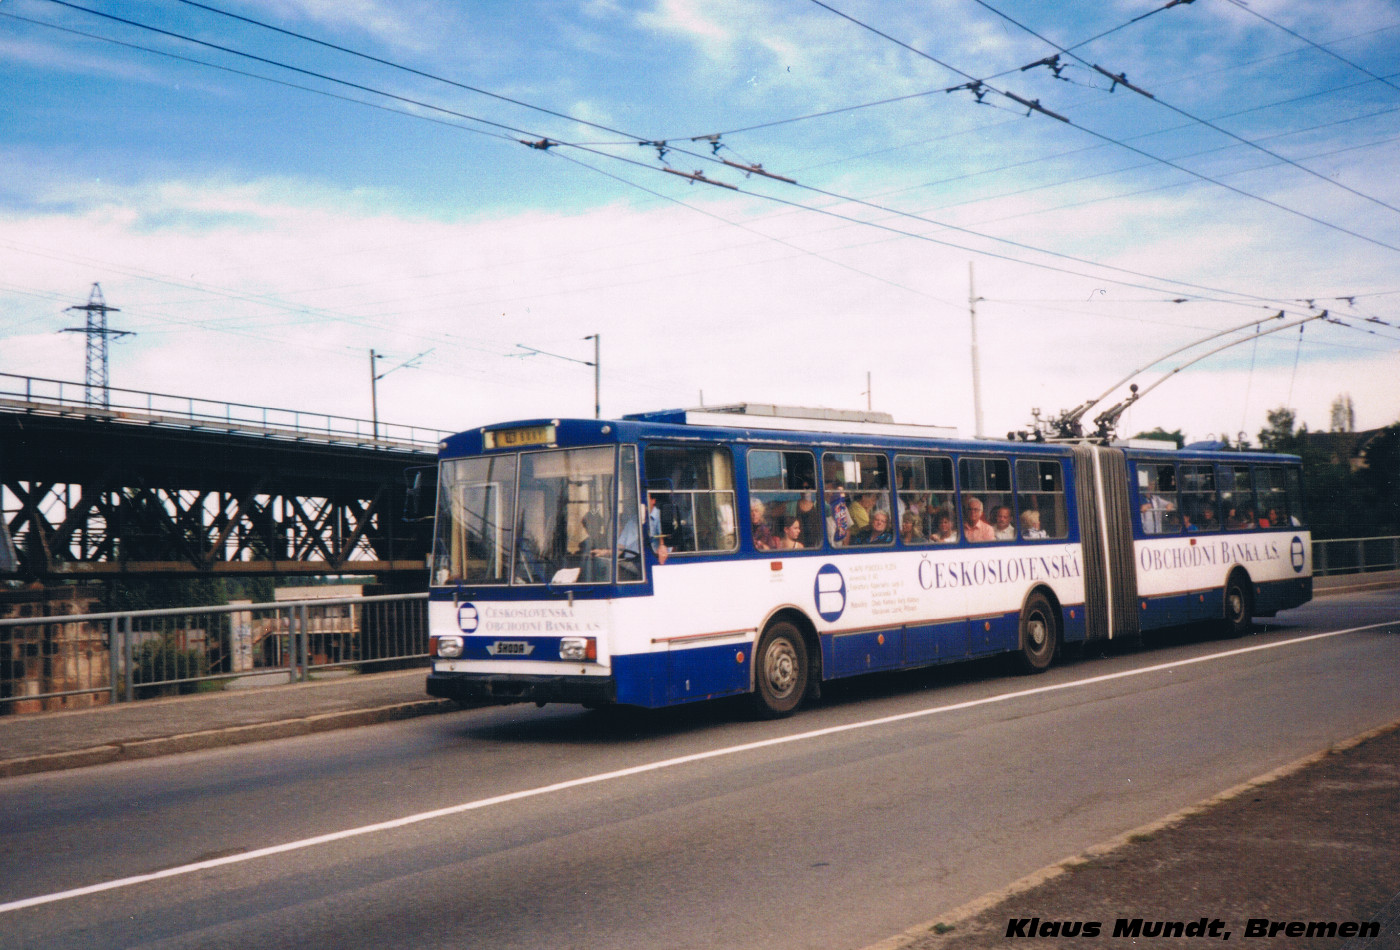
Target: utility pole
(374, 391)
(597, 339)
(972, 299)
(96, 384)
(597, 365)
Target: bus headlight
(576, 649)
(450, 646)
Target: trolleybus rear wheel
(1039, 635)
(779, 671)
(1239, 606)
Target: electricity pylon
(98, 333)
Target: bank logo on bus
(468, 619)
(830, 593)
(1295, 554)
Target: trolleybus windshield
(536, 518)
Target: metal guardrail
(47, 662)
(32, 394)
(1355, 555)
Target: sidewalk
(43, 742)
(1314, 843)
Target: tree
(1343, 414)
(1162, 435)
(1380, 482)
(1279, 435)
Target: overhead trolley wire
(1315, 45)
(1121, 80)
(408, 69)
(546, 144)
(242, 72)
(980, 88)
(280, 65)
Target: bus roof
(734, 427)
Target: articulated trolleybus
(678, 556)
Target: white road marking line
(642, 769)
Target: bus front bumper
(497, 689)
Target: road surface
(894, 798)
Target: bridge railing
(1356, 555)
(34, 394)
(76, 660)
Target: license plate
(510, 648)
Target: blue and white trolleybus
(678, 556)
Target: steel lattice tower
(96, 388)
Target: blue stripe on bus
(1171, 610)
(682, 675)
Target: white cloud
(272, 293)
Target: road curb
(949, 921)
(1353, 588)
(218, 738)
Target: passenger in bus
(1239, 520)
(811, 520)
(1030, 525)
(945, 531)
(878, 531)
(762, 533)
(1206, 520)
(1158, 515)
(974, 528)
(838, 513)
(860, 512)
(916, 503)
(1002, 524)
(789, 536)
(910, 530)
(1271, 519)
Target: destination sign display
(519, 436)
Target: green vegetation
(160, 660)
(1342, 502)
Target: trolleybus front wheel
(1039, 635)
(779, 671)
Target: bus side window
(693, 491)
(1293, 486)
(987, 503)
(1040, 495)
(1236, 497)
(857, 496)
(1198, 498)
(1271, 497)
(1157, 503)
(926, 499)
(783, 491)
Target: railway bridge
(153, 484)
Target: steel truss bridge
(153, 484)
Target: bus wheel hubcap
(1036, 630)
(781, 667)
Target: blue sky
(260, 237)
